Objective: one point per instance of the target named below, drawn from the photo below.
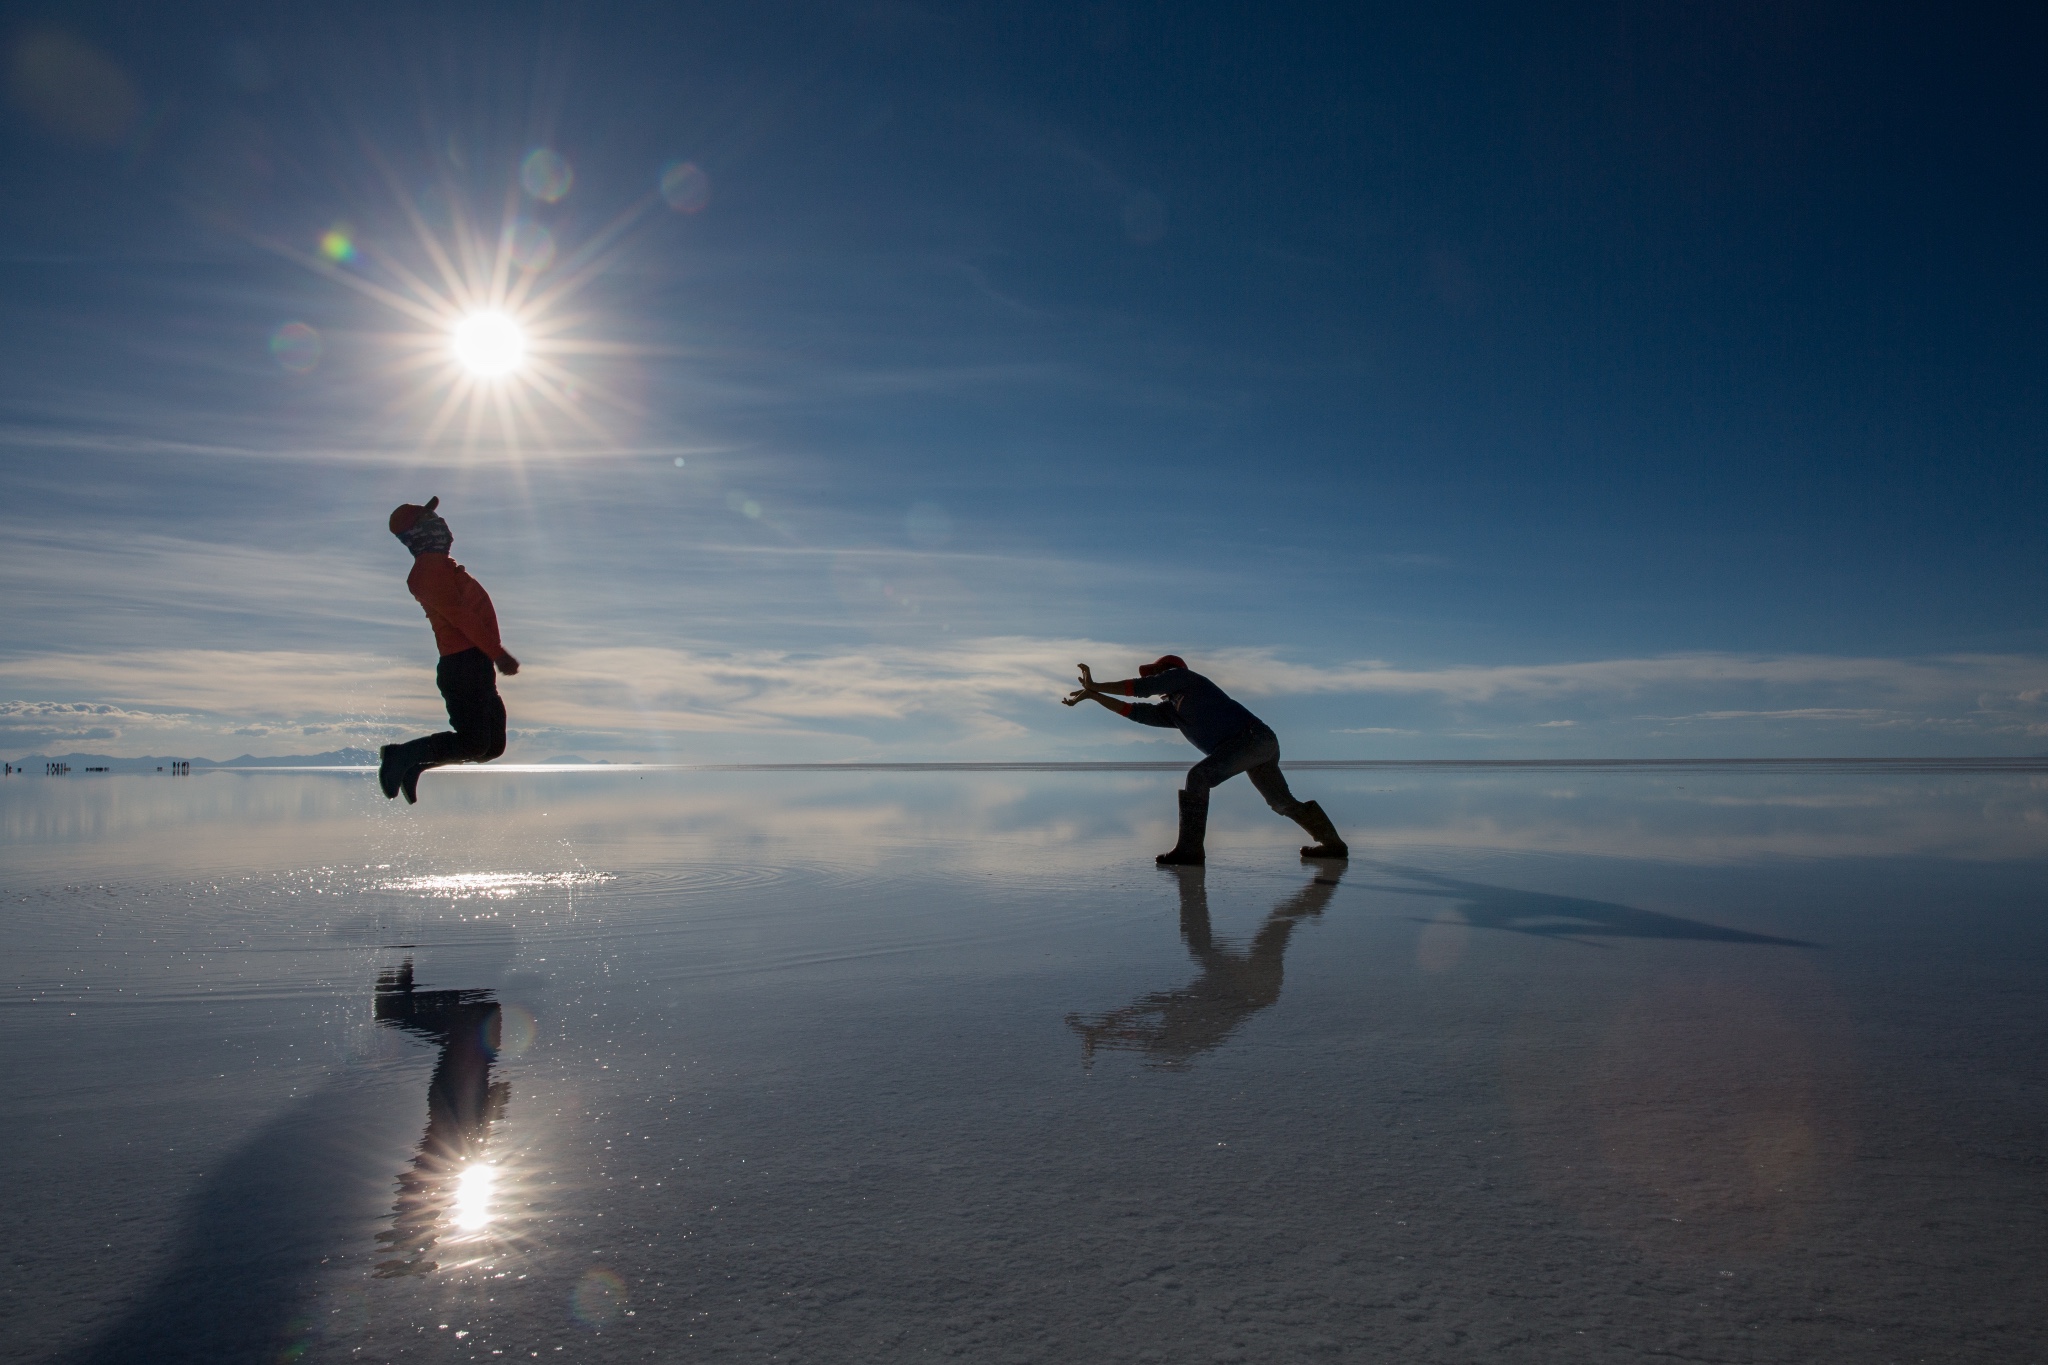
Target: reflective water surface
(865, 1065)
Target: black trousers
(1256, 753)
(470, 687)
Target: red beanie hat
(406, 513)
(1161, 664)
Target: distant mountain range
(334, 758)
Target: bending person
(1235, 740)
(466, 629)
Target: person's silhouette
(1233, 740)
(1173, 1027)
(466, 633)
(462, 1102)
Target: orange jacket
(456, 604)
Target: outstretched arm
(1100, 691)
(1116, 704)
(1145, 713)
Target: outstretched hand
(1085, 691)
(506, 664)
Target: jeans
(1256, 752)
(469, 685)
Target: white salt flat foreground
(864, 1066)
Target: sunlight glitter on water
(819, 1057)
(493, 885)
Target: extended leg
(1273, 786)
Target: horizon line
(1953, 763)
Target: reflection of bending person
(1235, 740)
(1172, 1027)
(462, 1101)
(466, 629)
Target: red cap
(406, 513)
(1161, 664)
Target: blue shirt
(1194, 706)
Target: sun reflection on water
(473, 1197)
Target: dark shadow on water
(1172, 1028)
(1571, 917)
(241, 1280)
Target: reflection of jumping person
(466, 629)
(462, 1103)
(1235, 740)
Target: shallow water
(1567, 1063)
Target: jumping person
(466, 629)
(1235, 740)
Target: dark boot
(409, 782)
(389, 768)
(1328, 844)
(1194, 822)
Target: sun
(489, 344)
(493, 350)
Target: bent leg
(1272, 785)
(1255, 747)
(470, 688)
(1210, 772)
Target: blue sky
(1492, 381)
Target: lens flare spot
(338, 244)
(517, 1028)
(473, 1197)
(599, 1298)
(546, 175)
(531, 246)
(488, 345)
(296, 347)
(685, 186)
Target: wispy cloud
(1905, 679)
(991, 696)
(73, 433)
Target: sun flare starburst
(494, 347)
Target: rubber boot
(1194, 822)
(409, 782)
(389, 770)
(1328, 844)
